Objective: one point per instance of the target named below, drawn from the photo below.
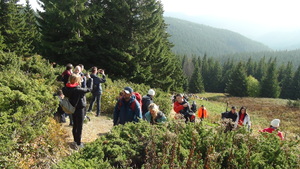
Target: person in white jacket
(243, 119)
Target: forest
(129, 39)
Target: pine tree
(133, 42)
(196, 83)
(287, 82)
(237, 84)
(63, 28)
(13, 28)
(260, 70)
(296, 84)
(269, 84)
(226, 72)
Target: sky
(266, 15)
(251, 18)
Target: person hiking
(229, 119)
(182, 106)
(154, 115)
(243, 119)
(127, 109)
(67, 73)
(274, 127)
(146, 101)
(76, 96)
(202, 113)
(97, 89)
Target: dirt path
(91, 129)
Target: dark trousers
(78, 117)
(97, 98)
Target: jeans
(96, 97)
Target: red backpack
(138, 97)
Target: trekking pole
(226, 106)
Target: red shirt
(270, 130)
(241, 120)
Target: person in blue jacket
(154, 115)
(127, 108)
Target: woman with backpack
(76, 96)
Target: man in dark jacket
(231, 114)
(97, 89)
(67, 73)
(127, 108)
(146, 101)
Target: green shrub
(179, 145)
(26, 92)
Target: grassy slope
(261, 110)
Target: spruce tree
(196, 83)
(13, 28)
(226, 72)
(269, 84)
(237, 84)
(260, 70)
(63, 25)
(286, 83)
(296, 84)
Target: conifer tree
(196, 83)
(287, 82)
(226, 72)
(63, 28)
(250, 67)
(215, 77)
(296, 84)
(269, 84)
(260, 70)
(13, 28)
(237, 84)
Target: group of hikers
(130, 106)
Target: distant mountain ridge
(191, 38)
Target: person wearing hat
(274, 126)
(231, 114)
(127, 108)
(146, 101)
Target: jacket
(159, 119)
(97, 88)
(246, 121)
(76, 94)
(202, 113)
(270, 130)
(127, 111)
(146, 100)
(178, 107)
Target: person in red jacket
(182, 106)
(274, 126)
(202, 112)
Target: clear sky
(273, 15)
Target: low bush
(179, 145)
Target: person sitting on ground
(182, 106)
(230, 115)
(202, 112)
(154, 115)
(147, 100)
(243, 119)
(274, 126)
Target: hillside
(195, 39)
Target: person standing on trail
(127, 108)
(202, 112)
(154, 115)
(243, 118)
(147, 100)
(67, 73)
(182, 106)
(78, 71)
(97, 89)
(76, 96)
(274, 127)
